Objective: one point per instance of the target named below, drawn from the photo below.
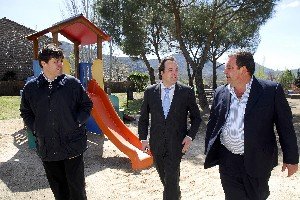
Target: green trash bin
(31, 140)
(115, 101)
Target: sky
(279, 48)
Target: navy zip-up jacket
(55, 113)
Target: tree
(271, 76)
(297, 80)
(119, 72)
(189, 26)
(236, 35)
(140, 80)
(286, 79)
(260, 73)
(136, 26)
(195, 23)
(85, 7)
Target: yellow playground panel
(97, 72)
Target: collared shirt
(232, 136)
(171, 92)
(49, 80)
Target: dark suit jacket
(266, 106)
(174, 128)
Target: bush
(9, 76)
(118, 87)
(297, 80)
(11, 88)
(140, 80)
(286, 79)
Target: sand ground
(109, 175)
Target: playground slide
(113, 127)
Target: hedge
(11, 88)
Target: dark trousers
(236, 183)
(168, 168)
(66, 178)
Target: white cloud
(293, 4)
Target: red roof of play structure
(76, 29)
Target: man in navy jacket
(240, 135)
(55, 107)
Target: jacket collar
(255, 92)
(175, 98)
(226, 99)
(42, 81)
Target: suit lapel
(157, 98)
(174, 100)
(255, 92)
(226, 100)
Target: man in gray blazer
(240, 135)
(169, 103)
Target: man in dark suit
(169, 104)
(240, 135)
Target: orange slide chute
(113, 127)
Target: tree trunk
(197, 69)
(155, 45)
(150, 69)
(191, 78)
(214, 73)
(200, 91)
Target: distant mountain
(138, 65)
(125, 65)
(67, 47)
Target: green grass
(134, 105)
(9, 108)
(10, 105)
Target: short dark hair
(161, 67)
(50, 51)
(244, 58)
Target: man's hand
(292, 169)
(145, 146)
(187, 141)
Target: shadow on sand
(24, 172)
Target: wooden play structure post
(78, 30)
(55, 37)
(99, 47)
(76, 55)
(35, 48)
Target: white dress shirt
(232, 136)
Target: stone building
(16, 52)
